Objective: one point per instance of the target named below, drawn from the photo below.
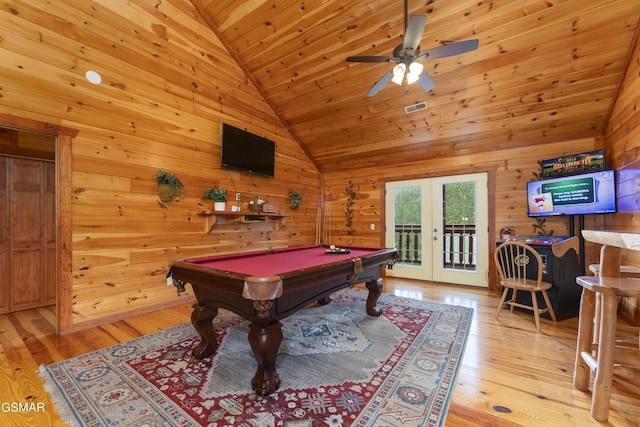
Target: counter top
(624, 240)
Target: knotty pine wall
(168, 85)
(509, 170)
(622, 139)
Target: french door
(440, 228)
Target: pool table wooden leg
(202, 320)
(265, 342)
(375, 289)
(324, 301)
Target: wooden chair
(520, 269)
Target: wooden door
(29, 245)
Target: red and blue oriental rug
(338, 366)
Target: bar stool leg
(603, 382)
(581, 371)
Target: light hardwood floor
(511, 375)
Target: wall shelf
(244, 217)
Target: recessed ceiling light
(93, 77)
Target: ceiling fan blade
(380, 83)
(414, 32)
(425, 81)
(369, 59)
(450, 49)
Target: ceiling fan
(407, 56)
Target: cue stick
(324, 227)
(318, 226)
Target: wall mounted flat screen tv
(246, 152)
(589, 193)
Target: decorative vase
(219, 206)
(166, 192)
(255, 207)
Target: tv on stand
(589, 193)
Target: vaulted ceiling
(544, 70)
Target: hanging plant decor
(169, 186)
(295, 199)
(348, 212)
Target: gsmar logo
(22, 407)
(521, 260)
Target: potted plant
(256, 204)
(219, 197)
(295, 199)
(169, 186)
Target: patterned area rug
(338, 366)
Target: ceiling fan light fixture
(416, 68)
(414, 72)
(406, 53)
(398, 73)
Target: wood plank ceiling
(545, 70)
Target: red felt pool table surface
(278, 261)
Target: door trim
(64, 138)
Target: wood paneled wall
(168, 85)
(622, 140)
(511, 167)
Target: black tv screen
(590, 193)
(246, 152)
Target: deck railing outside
(459, 251)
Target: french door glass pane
(459, 243)
(408, 224)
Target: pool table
(265, 287)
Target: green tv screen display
(590, 193)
